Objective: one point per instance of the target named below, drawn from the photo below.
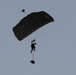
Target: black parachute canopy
(31, 23)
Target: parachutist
(32, 61)
(33, 43)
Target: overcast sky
(56, 42)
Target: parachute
(31, 23)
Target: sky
(56, 42)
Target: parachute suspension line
(32, 61)
(37, 34)
(33, 55)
